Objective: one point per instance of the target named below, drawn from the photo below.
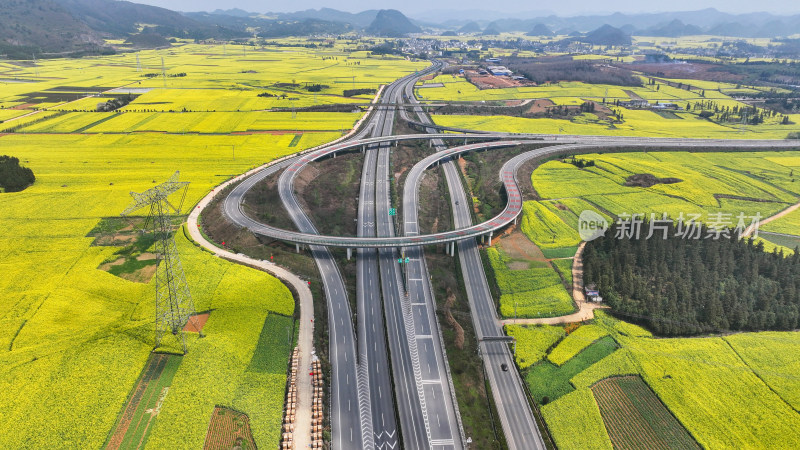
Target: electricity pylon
(174, 306)
(164, 72)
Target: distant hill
(42, 26)
(540, 29)
(307, 27)
(147, 40)
(676, 28)
(359, 20)
(678, 23)
(607, 35)
(235, 12)
(471, 27)
(121, 17)
(490, 31)
(391, 23)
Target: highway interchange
(390, 383)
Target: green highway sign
(393, 211)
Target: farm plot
(529, 292)
(144, 403)
(635, 418)
(548, 382)
(712, 185)
(636, 123)
(229, 429)
(573, 344)
(533, 342)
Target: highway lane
(515, 414)
(347, 423)
(351, 412)
(425, 406)
(371, 329)
(494, 351)
(584, 144)
(409, 409)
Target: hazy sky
(564, 7)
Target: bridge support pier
(490, 238)
(297, 248)
(349, 253)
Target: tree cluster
(551, 70)
(13, 177)
(683, 286)
(114, 104)
(354, 92)
(736, 114)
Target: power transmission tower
(174, 306)
(138, 64)
(35, 67)
(164, 72)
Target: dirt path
(305, 339)
(749, 230)
(585, 309)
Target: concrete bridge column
(349, 253)
(297, 247)
(490, 238)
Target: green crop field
(730, 184)
(529, 292)
(773, 358)
(702, 381)
(548, 382)
(533, 342)
(636, 418)
(637, 123)
(573, 344)
(74, 338)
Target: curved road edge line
(305, 339)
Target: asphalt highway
(371, 405)
(425, 404)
